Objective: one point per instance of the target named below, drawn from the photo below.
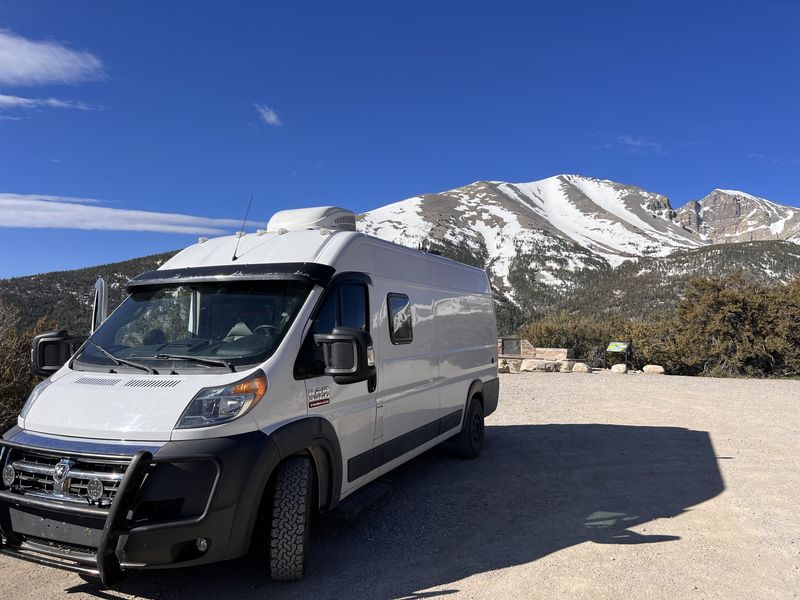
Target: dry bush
(588, 337)
(727, 326)
(16, 379)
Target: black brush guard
(105, 564)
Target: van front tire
(469, 442)
(290, 524)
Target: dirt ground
(590, 486)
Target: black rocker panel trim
(360, 465)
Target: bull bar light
(220, 404)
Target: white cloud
(269, 116)
(632, 144)
(639, 144)
(57, 212)
(30, 103)
(29, 62)
(777, 160)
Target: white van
(251, 378)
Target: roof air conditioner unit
(318, 217)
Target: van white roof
(342, 250)
(307, 245)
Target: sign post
(618, 348)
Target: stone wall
(530, 358)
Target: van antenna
(241, 233)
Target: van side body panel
(423, 386)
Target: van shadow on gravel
(536, 489)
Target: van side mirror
(51, 350)
(348, 354)
(100, 305)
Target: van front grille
(36, 473)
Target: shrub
(16, 379)
(727, 326)
(588, 337)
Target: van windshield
(177, 328)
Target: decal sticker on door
(319, 396)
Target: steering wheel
(265, 330)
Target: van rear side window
(400, 330)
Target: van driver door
(350, 408)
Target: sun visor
(309, 272)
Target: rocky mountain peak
(725, 216)
(550, 228)
(576, 220)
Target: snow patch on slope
(610, 200)
(400, 222)
(604, 236)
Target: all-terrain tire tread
(291, 503)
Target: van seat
(238, 331)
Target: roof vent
(318, 217)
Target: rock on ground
(580, 367)
(536, 364)
(653, 369)
(620, 368)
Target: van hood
(116, 406)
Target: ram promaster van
(250, 379)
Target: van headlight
(35, 393)
(215, 405)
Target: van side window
(400, 330)
(344, 306)
(353, 307)
(326, 318)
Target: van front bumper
(167, 500)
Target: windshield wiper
(121, 361)
(216, 362)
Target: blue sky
(188, 108)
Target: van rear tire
(291, 519)
(469, 442)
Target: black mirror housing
(347, 353)
(51, 350)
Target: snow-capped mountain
(732, 216)
(613, 220)
(556, 227)
(581, 245)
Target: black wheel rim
(477, 429)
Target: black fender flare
(488, 391)
(316, 436)
(475, 388)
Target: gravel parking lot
(590, 486)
